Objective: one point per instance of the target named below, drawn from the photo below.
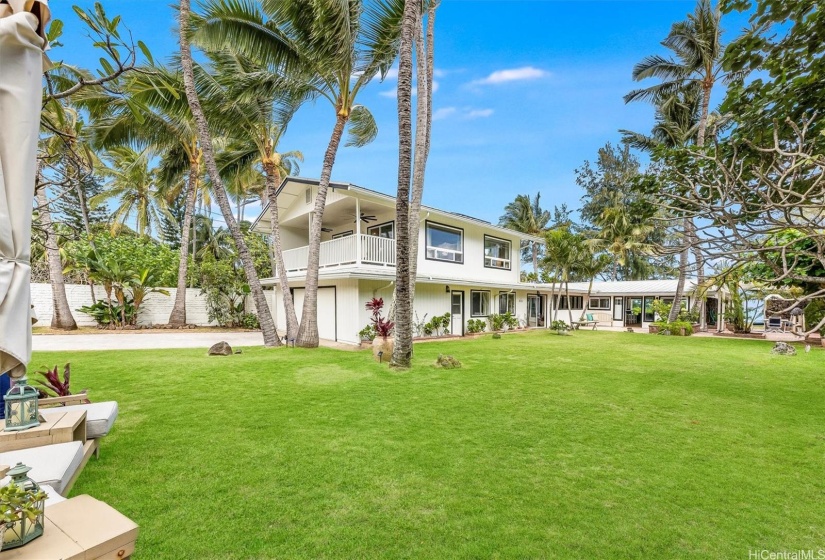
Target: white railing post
(358, 231)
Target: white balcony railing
(345, 250)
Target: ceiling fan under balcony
(366, 218)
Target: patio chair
(100, 417)
(57, 465)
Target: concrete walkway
(150, 341)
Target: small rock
(447, 362)
(496, 335)
(220, 349)
(239, 351)
(784, 349)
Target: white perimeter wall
(154, 311)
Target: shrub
(476, 326)
(510, 320)
(367, 333)
(560, 327)
(674, 328)
(814, 313)
(383, 327)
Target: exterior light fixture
(21, 407)
(26, 527)
(447, 289)
(381, 357)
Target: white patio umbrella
(22, 24)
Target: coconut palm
(133, 185)
(154, 116)
(259, 106)
(527, 216)
(335, 47)
(270, 334)
(693, 73)
(621, 235)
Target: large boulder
(220, 349)
(784, 349)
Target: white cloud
(443, 113)
(478, 113)
(467, 113)
(512, 75)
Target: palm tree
(256, 118)
(335, 48)
(589, 265)
(156, 117)
(526, 215)
(621, 235)
(268, 329)
(696, 44)
(562, 254)
(132, 182)
(402, 349)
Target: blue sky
(526, 91)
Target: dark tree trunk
(178, 315)
(62, 316)
(402, 350)
(270, 334)
(273, 181)
(683, 270)
(308, 331)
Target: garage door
(326, 310)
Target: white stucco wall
(154, 311)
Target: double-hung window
(445, 243)
(507, 303)
(479, 303)
(496, 253)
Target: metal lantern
(24, 530)
(21, 407)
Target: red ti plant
(51, 386)
(383, 327)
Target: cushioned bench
(99, 416)
(55, 465)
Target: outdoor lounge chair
(774, 324)
(56, 465)
(100, 417)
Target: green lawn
(596, 445)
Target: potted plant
(383, 342)
(366, 335)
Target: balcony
(350, 250)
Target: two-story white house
(467, 267)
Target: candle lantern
(27, 507)
(21, 407)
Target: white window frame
(496, 262)
(376, 230)
(432, 253)
(509, 297)
(482, 312)
(600, 306)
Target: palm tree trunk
(308, 331)
(270, 334)
(569, 306)
(62, 316)
(273, 180)
(535, 259)
(87, 225)
(402, 350)
(586, 300)
(683, 267)
(178, 315)
(554, 299)
(423, 133)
